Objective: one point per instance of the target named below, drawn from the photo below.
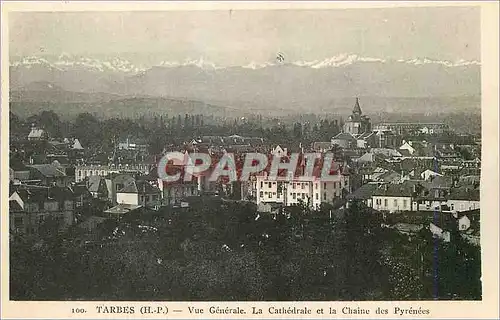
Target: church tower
(357, 108)
(357, 123)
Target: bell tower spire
(357, 108)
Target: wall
(127, 198)
(379, 203)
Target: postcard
(247, 160)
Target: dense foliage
(227, 251)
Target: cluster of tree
(229, 252)
(161, 130)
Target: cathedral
(357, 123)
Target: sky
(235, 37)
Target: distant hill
(68, 104)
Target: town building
(311, 191)
(414, 128)
(140, 193)
(83, 171)
(31, 207)
(37, 134)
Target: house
(389, 176)
(115, 182)
(50, 174)
(81, 194)
(386, 152)
(464, 198)
(366, 140)
(18, 172)
(174, 192)
(83, 171)
(96, 185)
(345, 140)
(309, 190)
(428, 174)
(37, 134)
(278, 151)
(395, 197)
(434, 194)
(133, 146)
(76, 145)
(412, 127)
(364, 194)
(463, 223)
(139, 192)
(385, 139)
(439, 232)
(407, 145)
(368, 157)
(29, 208)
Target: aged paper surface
(95, 95)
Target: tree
(87, 128)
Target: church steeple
(357, 108)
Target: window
(274, 183)
(324, 195)
(270, 185)
(265, 193)
(274, 193)
(294, 195)
(279, 195)
(261, 184)
(302, 186)
(317, 196)
(385, 203)
(405, 203)
(269, 195)
(324, 185)
(68, 205)
(262, 194)
(294, 185)
(51, 206)
(395, 202)
(335, 185)
(303, 196)
(316, 186)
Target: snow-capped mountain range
(65, 62)
(297, 85)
